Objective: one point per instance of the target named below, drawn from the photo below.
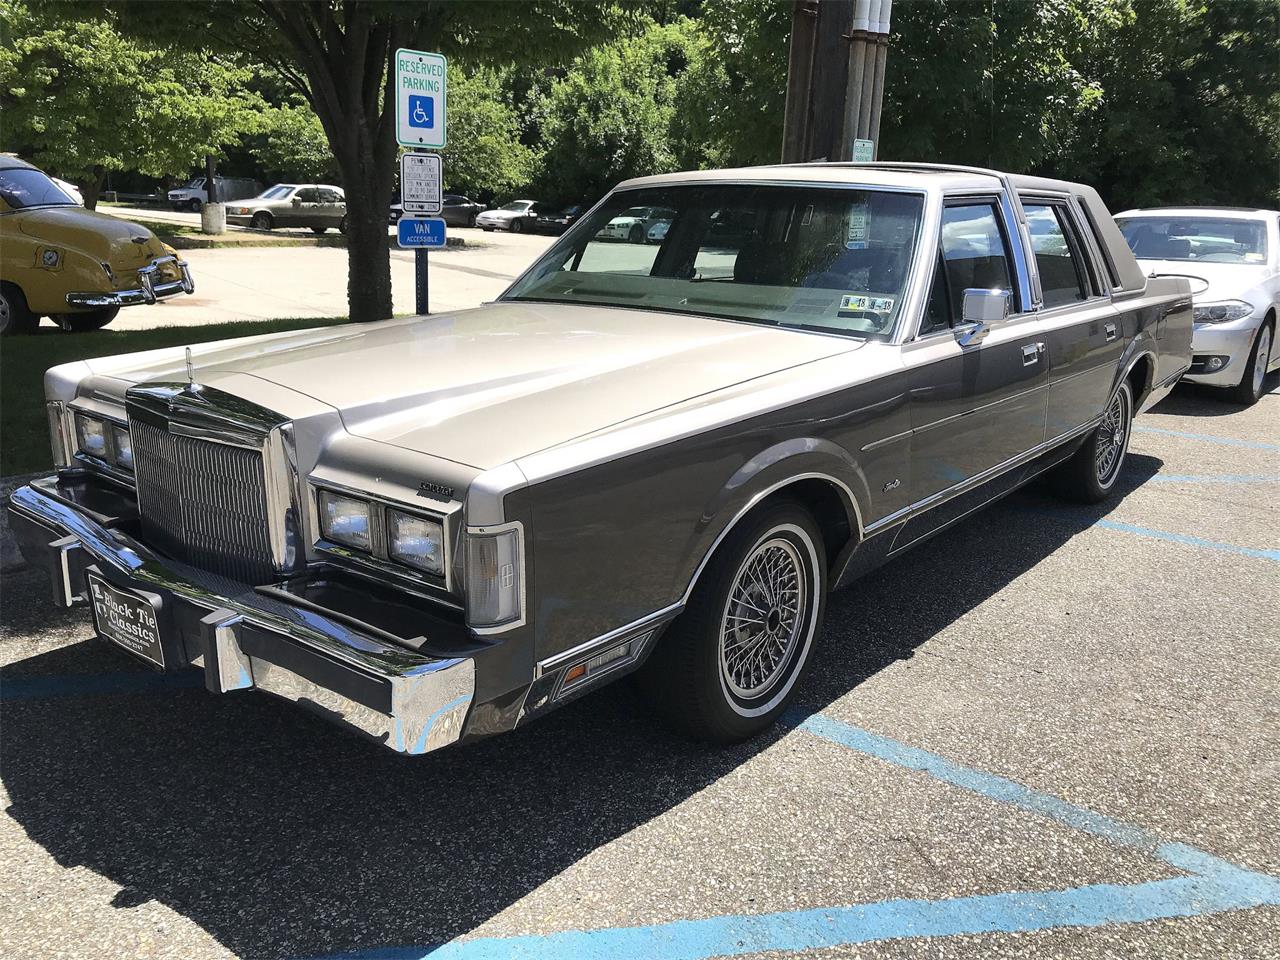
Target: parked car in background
(193, 195)
(657, 232)
(633, 225)
(435, 529)
(518, 216)
(1233, 255)
(315, 205)
(557, 222)
(70, 189)
(455, 209)
(76, 266)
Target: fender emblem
(892, 485)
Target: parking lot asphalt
(1053, 731)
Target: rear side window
(1059, 255)
(973, 253)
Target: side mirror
(297, 202)
(979, 310)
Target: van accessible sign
(420, 98)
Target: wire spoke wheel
(763, 622)
(1113, 433)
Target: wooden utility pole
(835, 78)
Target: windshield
(812, 258)
(519, 206)
(1198, 239)
(277, 192)
(24, 187)
(197, 183)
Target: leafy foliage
(80, 99)
(485, 156)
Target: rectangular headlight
(91, 435)
(494, 571)
(123, 445)
(345, 520)
(416, 542)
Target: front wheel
(1091, 473)
(15, 316)
(1249, 389)
(319, 231)
(727, 667)
(516, 226)
(636, 235)
(88, 321)
(261, 221)
(195, 206)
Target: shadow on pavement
(1195, 400)
(284, 837)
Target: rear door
(1084, 332)
(975, 407)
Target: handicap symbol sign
(422, 112)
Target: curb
(10, 557)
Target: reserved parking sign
(420, 98)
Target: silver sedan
(315, 205)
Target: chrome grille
(203, 502)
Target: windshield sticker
(856, 238)
(860, 303)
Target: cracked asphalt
(1124, 659)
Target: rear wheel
(88, 321)
(1091, 473)
(342, 225)
(261, 221)
(15, 316)
(1249, 389)
(319, 231)
(727, 667)
(471, 219)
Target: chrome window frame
(1093, 274)
(377, 562)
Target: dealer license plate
(126, 619)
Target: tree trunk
(368, 246)
(91, 188)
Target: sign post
(421, 101)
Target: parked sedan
(1234, 255)
(633, 225)
(561, 220)
(315, 205)
(456, 210)
(517, 216)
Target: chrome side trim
(937, 499)
(968, 413)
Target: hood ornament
(191, 370)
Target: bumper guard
(148, 290)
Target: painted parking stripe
(95, 684)
(1190, 541)
(1210, 885)
(1208, 438)
(1212, 478)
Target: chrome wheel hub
(1113, 432)
(763, 621)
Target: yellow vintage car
(76, 266)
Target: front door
(977, 406)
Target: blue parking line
(95, 684)
(1208, 438)
(1209, 885)
(1190, 541)
(1227, 478)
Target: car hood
(487, 386)
(1227, 281)
(500, 214)
(118, 242)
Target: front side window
(1199, 239)
(973, 254)
(309, 195)
(1058, 258)
(829, 260)
(24, 187)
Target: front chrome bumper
(244, 639)
(148, 290)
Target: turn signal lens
(415, 541)
(494, 572)
(344, 520)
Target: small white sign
(864, 151)
(420, 182)
(420, 98)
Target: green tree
(79, 99)
(338, 55)
(485, 154)
(291, 144)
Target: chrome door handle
(1030, 354)
(1110, 328)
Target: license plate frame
(128, 620)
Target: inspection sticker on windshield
(859, 303)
